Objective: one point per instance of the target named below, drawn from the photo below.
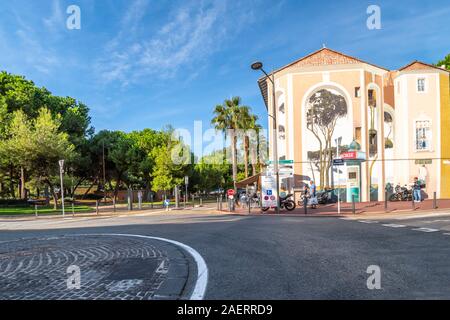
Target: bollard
(434, 200)
(193, 201)
(201, 202)
(73, 210)
(249, 205)
(114, 204)
(217, 203)
(35, 210)
(305, 205)
(385, 201)
(353, 204)
(96, 206)
(130, 200)
(220, 202)
(140, 200)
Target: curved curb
(202, 270)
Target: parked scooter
(285, 203)
(402, 193)
(326, 196)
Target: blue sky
(147, 63)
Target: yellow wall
(445, 135)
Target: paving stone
(111, 267)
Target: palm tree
(247, 122)
(226, 119)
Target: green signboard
(281, 162)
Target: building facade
(390, 126)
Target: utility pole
(259, 66)
(338, 143)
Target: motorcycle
(401, 194)
(285, 203)
(326, 196)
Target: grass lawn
(42, 210)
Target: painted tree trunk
(22, 183)
(246, 147)
(234, 158)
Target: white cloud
(34, 54)
(56, 21)
(192, 32)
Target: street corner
(96, 267)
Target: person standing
(417, 190)
(313, 195)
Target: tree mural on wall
(389, 122)
(325, 108)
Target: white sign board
(284, 170)
(269, 191)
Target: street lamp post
(259, 66)
(338, 143)
(61, 171)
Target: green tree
(36, 146)
(20, 94)
(212, 172)
(445, 62)
(48, 145)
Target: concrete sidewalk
(364, 209)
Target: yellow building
(393, 125)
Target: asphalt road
(290, 257)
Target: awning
(249, 180)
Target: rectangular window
(423, 135)
(357, 92)
(421, 85)
(358, 134)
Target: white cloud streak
(192, 32)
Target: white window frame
(430, 138)
(425, 84)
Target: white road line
(392, 225)
(367, 221)
(202, 269)
(426, 229)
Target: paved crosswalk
(425, 224)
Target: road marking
(393, 225)
(426, 215)
(202, 270)
(426, 229)
(367, 221)
(433, 221)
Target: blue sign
(269, 192)
(338, 162)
